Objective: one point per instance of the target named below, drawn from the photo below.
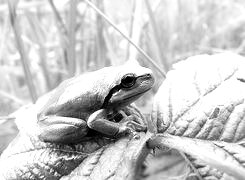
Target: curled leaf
(228, 157)
(202, 98)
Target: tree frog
(87, 101)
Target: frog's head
(131, 81)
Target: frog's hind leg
(60, 129)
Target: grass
(53, 41)
(20, 47)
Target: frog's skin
(90, 101)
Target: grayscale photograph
(122, 90)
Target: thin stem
(131, 27)
(20, 45)
(60, 22)
(11, 97)
(71, 49)
(136, 29)
(62, 32)
(4, 35)
(42, 51)
(150, 60)
(100, 42)
(156, 34)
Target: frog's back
(86, 93)
(79, 96)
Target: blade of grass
(156, 35)
(22, 6)
(60, 23)
(101, 56)
(12, 82)
(111, 52)
(84, 56)
(24, 59)
(81, 62)
(150, 60)
(130, 28)
(11, 97)
(4, 35)
(82, 44)
(71, 49)
(156, 4)
(136, 29)
(3, 119)
(42, 51)
(62, 30)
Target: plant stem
(156, 34)
(150, 60)
(20, 45)
(71, 49)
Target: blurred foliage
(66, 38)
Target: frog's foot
(133, 117)
(134, 122)
(126, 125)
(135, 126)
(130, 126)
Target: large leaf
(94, 158)
(202, 102)
(165, 165)
(228, 157)
(29, 158)
(120, 161)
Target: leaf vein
(200, 97)
(230, 153)
(227, 120)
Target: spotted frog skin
(93, 101)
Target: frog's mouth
(120, 96)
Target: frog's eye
(128, 80)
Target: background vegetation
(44, 42)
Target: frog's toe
(134, 135)
(136, 126)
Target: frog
(93, 102)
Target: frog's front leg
(60, 129)
(100, 123)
